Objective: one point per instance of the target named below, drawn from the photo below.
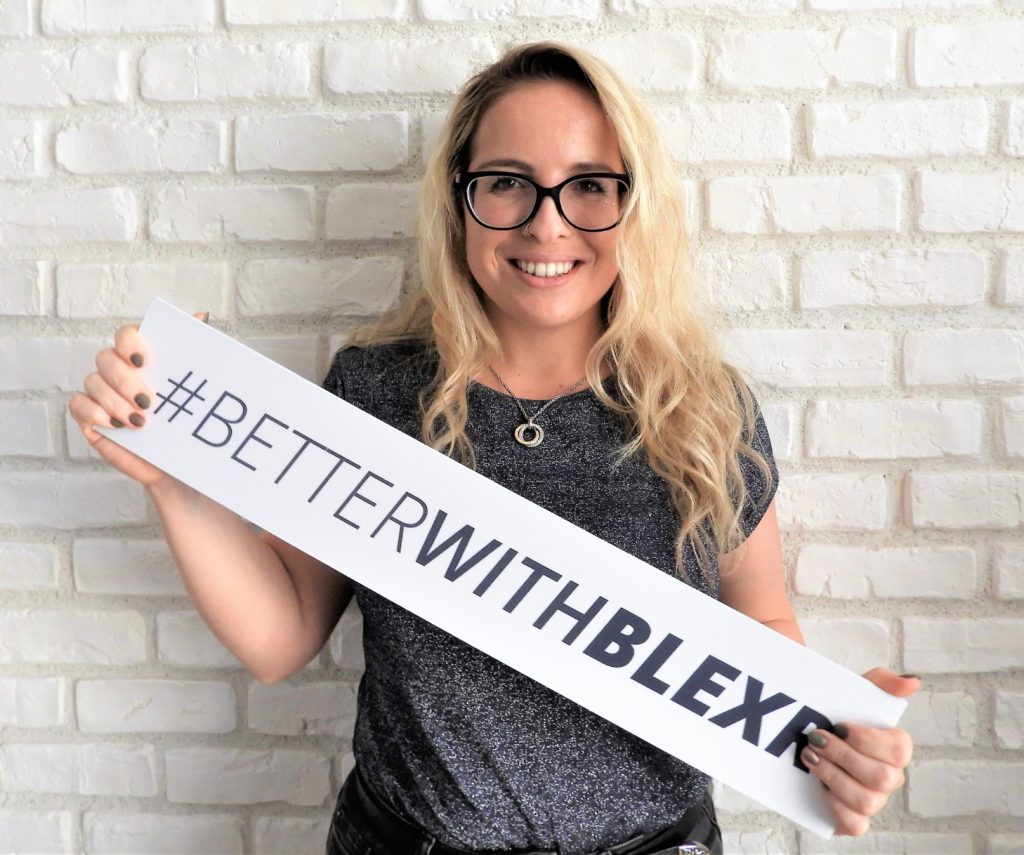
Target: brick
(88, 770)
(963, 357)
(847, 572)
(183, 639)
(219, 72)
(120, 566)
(745, 281)
(898, 129)
(1005, 844)
(154, 706)
(749, 60)
(31, 702)
(956, 202)
(38, 831)
(804, 204)
(21, 149)
(855, 644)
(781, 421)
(903, 278)
(37, 364)
(68, 501)
(404, 65)
(742, 7)
(28, 566)
(889, 843)
(965, 500)
(667, 61)
(15, 20)
(347, 286)
(243, 777)
(371, 211)
(1011, 427)
(59, 217)
(948, 55)
(26, 430)
(254, 13)
(1013, 139)
(947, 719)
(50, 636)
(1011, 283)
(64, 78)
(1009, 720)
(117, 832)
(883, 430)
(962, 646)
(710, 132)
(96, 17)
(78, 446)
(299, 355)
(823, 502)
(948, 788)
(346, 642)
(165, 146)
(272, 835)
(430, 130)
(1008, 561)
(499, 10)
(763, 842)
(349, 142)
(316, 709)
(233, 214)
(24, 291)
(794, 358)
(96, 290)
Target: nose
(547, 224)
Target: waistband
(404, 838)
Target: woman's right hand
(117, 397)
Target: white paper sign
(661, 660)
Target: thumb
(899, 685)
(202, 316)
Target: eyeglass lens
(503, 201)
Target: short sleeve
(334, 382)
(760, 490)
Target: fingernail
(206, 317)
(911, 676)
(841, 731)
(810, 757)
(116, 423)
(136, 359)
(142, 400)
(136, 420)
(817, 739)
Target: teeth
(552, 268)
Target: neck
(541, 364)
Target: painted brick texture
(854, 176)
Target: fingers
(899, 685)
(128, 344)
(119, 410)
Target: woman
(554, 346)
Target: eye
(504, 183)
(592, 186)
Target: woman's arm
(272, 605)
(859, 766)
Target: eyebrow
(510, 163)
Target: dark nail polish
(136, 359)
(911, 676)
(206, 317)
(841, 731)
(136, 420)
(142, 400)
(116, 423)
(817, 739)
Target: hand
(116, 396)
(861, 766)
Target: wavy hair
(690, 410)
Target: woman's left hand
(861, 766)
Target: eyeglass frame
(463, 181)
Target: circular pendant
(529, 434)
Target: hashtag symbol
(176, 387)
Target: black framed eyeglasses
(590, 202)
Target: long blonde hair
(691, 411)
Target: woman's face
(547, 131)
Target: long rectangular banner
(650, 654)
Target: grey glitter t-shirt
(474, 752)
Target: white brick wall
(853, 170)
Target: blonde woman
(553, 345)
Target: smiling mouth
(545, 270)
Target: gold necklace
(529, 433)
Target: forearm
(236, 580)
